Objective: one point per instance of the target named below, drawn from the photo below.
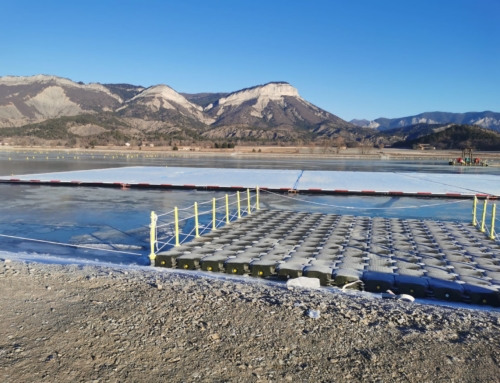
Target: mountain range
(58, 109)
(273, 111)
(487, 119)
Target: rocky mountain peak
(272, 105)
(166, 93)
(161, 97)
(263, 93)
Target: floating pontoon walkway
(444, 260)
(325, 182)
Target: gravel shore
(81, 324)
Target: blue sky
(354, 58)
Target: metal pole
(257, 204)
(152, 237)
(483, 221)
(227, 209)
(197, 232)
(248, 202)
(239, 205)
(474, 208)
(176, 219)
(214, 223)
(493, 214)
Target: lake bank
(71, 323)
(270, 151)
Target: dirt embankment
(73, 324)
(272, 152)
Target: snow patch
(422, 120)
(304, 282)
(487, 122)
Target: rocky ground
(71, 324)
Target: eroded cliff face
(37, 98)
(159, 97)
(262, 94)
(269, 105)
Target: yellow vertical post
(214, 223)
(492, 229)
(239, 204)
(248, 202)
(176, 219)
(227, 209)
(483, 221)
(257, 205)
(474, 208)
(152, 237)
(196, 226)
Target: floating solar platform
(449, 261)
(325, 182)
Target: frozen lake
(438, 184)
(117, 219)
(22, 162)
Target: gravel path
(71, 324)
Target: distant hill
(413, 131)
(457, 137)
(487, 119)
